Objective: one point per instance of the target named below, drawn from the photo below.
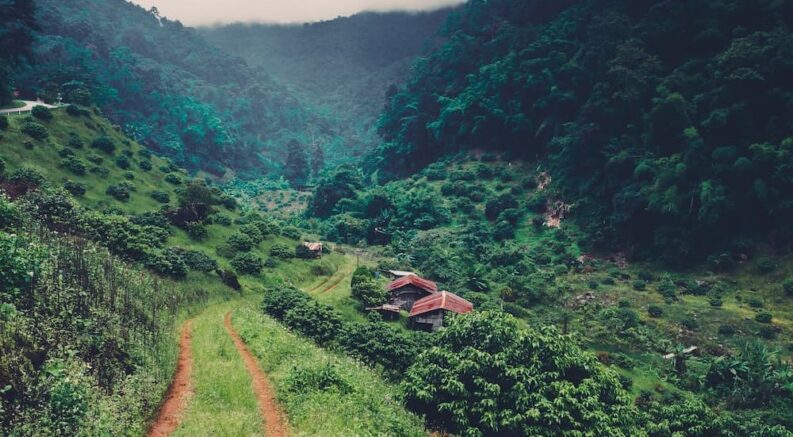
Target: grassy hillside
(134, 330)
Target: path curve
(274, 420)
(179, 392)
(29, 105)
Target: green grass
(361, 404)
(14, 104)
(224, 403)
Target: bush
(314, 320)
(381, 346)
(65, 153)
(151, 218)
(639, 285)
(247, 263)
(105, 144)
(277, 301)
(119, 191)
(240, 242)
(74, 165)
(767, 332)
(160, 196)
(367, 291)
(291, 232)
(764, 317)
(123, 162)
(221, 219)
(755, 302)
(726, 330)
(9, 217)
(41, 112)
(253, 232)
(787, 286)
(167, 262)
(173, 179)
(35, 130)
(715, 302)
(27, 176)
(197, 261)
(145, 165)
(197, 231)
(766, 265)
(76, 111)
(74, 142)
(510, 362)
(229, 278)
(3, 122)
(77, 189)
(128, 175)
(655, 311)
(282, 251)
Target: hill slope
(343, 67)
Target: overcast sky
(201, 12)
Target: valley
(503, 218)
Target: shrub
(764, 317)
(277, 301)
(160, 196)
(197, 261)
(639, 285)
(65, 153)
(100, 171)
(2, 168)
(755, 302)
(726, 330)
(715, 302)
(74, 165)
(35, 130)
(380, 345)
(96, 159)
(228, 202)
(173, 179)
(282, 251)
(119, 192)
(367, 291)
(151, 218)
(291, 232)
(496, 206)
(41, 112)
(123, 162)
(3, 122)
(240, 242)
(167, 262)
(145, 165)
(197, 231)
(77, 189)
(314, 320)
(767, 332)
(655, 311)
(511, 362)
(787, 286)
(253, 232)
(222, 219)
(690, 323)
(105, 144)
(128, 175)
(74, 142)
(27, 176)
(76, 111)
(9, 217)
(247, 263)
(766, 265)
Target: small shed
(388, 311)
(403, 292)
(309, 250)
(427, 313)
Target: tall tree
(296, 169)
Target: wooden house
(403, 292)
(309, 250)
(428, 312)
(388, 311)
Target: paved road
(29, 105)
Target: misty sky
(200, 12)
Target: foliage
(488, 376)
(247, 263)
(104, 144)
(197, 231)
(119, 191)
(281, 251)
(367, 290)
(160, 196)
(168, 262)
(41, 112)
(75, 188)
(35, 130)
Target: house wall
(431, 321)
(406, 296)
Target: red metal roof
(443, 300)
(424, 284)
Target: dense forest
(164, 85)
(665, 124)
(604, 186)
(341, 67)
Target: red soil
(274, 421)
(180, 390)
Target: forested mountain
(164, 84)
(342, 67)
(665, 123)
(17, 23)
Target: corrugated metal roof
(443, 300)
(424, 284)
(400, 273)
(314, 247)
(385, 307)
